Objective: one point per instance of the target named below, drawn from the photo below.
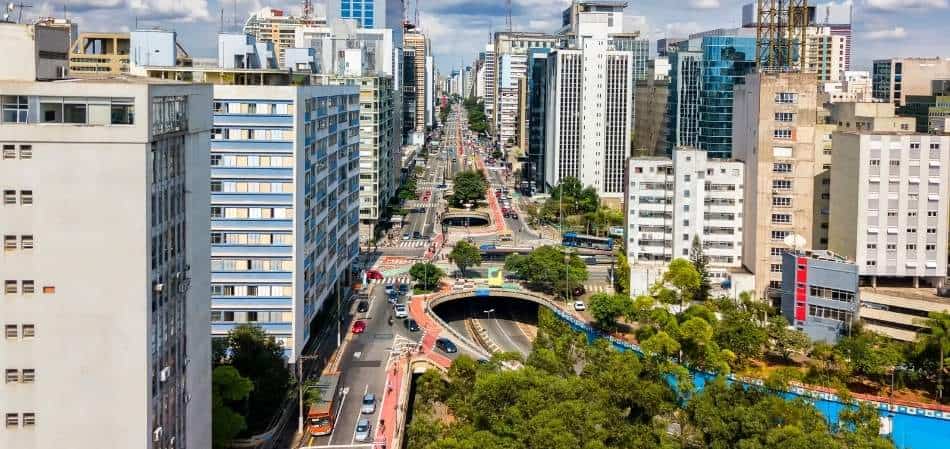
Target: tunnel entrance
(502, 323)
(465, 221)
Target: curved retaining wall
(916, 426)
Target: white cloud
(704, 4)
(682, 29)
(895, 5)
(888, 33)
(183, 10)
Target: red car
(374, 275)
(359, 327)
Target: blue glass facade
(725, 60)
(361, 10)
(703, 72)
(537, 91)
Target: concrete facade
(112, 304)
(894, 79)
(820, 294)
(774, 134)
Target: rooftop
(927, 296)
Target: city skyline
(883, 28)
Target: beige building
(275, 25)
(774, 132)
(827, 53)
(418, 43)
(894, 79)
(104, 264)
(99, 54)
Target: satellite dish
(795, 241)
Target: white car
(362, 433)
(369, 404)
(400, 311)
(579, 306)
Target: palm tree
(938, 324)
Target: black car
(362, 307)
(446, 345)
(411, 324)
(403, 288)
(417, 235)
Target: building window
(931, 213)
(782, 167)
(776, 251)
(784, 116)
(781, 184)
(781, 201)
(12, 376)
(10, 287)
(11, 331)
(779, 235)
(785, 97)
(26, 242)
(781, 218)
(9, 242)
(26, 151)
(29, 376)
(931, 230)
(29, 331)
(12, 420)
(782, 133)
(871, 263)
(872, 246)
(9, 152)
(9, 197)
(29, 419)
(29, 287)
(16, 109)
(930, 247)
(775, 268)
(26, 197)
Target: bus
(322, 410)
(575, 240)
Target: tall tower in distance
(780, 34)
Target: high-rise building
(104, 223)
(533, 169)
(344, 50)
(667, 45)
(285, 158)
(652, 122)
(929, 110)
(705, 68)
(488, 100)
(510, 50)
(371, 14)
(895, 79)
(671, 202)
(416, 47)
(774, 134)
(275, 25)
(589, 110)
(853, 86)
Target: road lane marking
(338, 412)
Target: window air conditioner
(157, 434)
(158, 287)
(166, 371)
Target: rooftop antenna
(307, 8)
(508, 19)
(416, 19)
(8, 11)
(221, 22)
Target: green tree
(622, 273)
(426, 275)
(683, 277)
(870, 354)
(549, 268)
(465, 255)
(469, 187)
(228, 386)
(739, 333)
(784, 340)
(938, 335)
(701, 263)
(606, 308)
(260, 358)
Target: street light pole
(300, 388)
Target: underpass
(497, 323)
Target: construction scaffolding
(780, 32)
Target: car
(417, 235)
(374, 275)
(579, 305)
(579, 290)
(362, 307)
(359, 327)
(362, 433)
(446, 345)
(369, 404)
(403, 288)
(411, 324)
(400, 311)
(407, 236)
(389, 289)
(514, 215)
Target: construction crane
(780, 34)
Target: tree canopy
(469, 186)
(426, 275)
(228, 387)
(549, 268)
(465, 255)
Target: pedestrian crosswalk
(393, 280)
(414, 243)
(598, 288)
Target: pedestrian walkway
(393, 280)
(598, 288)
(414, 243)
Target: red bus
(322, 409)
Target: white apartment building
(671, 202)
(889, 210)
(512, 68)
(275, 25)
(488, 78)
(104, 263)
(589, 110)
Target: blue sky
(460, 28)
